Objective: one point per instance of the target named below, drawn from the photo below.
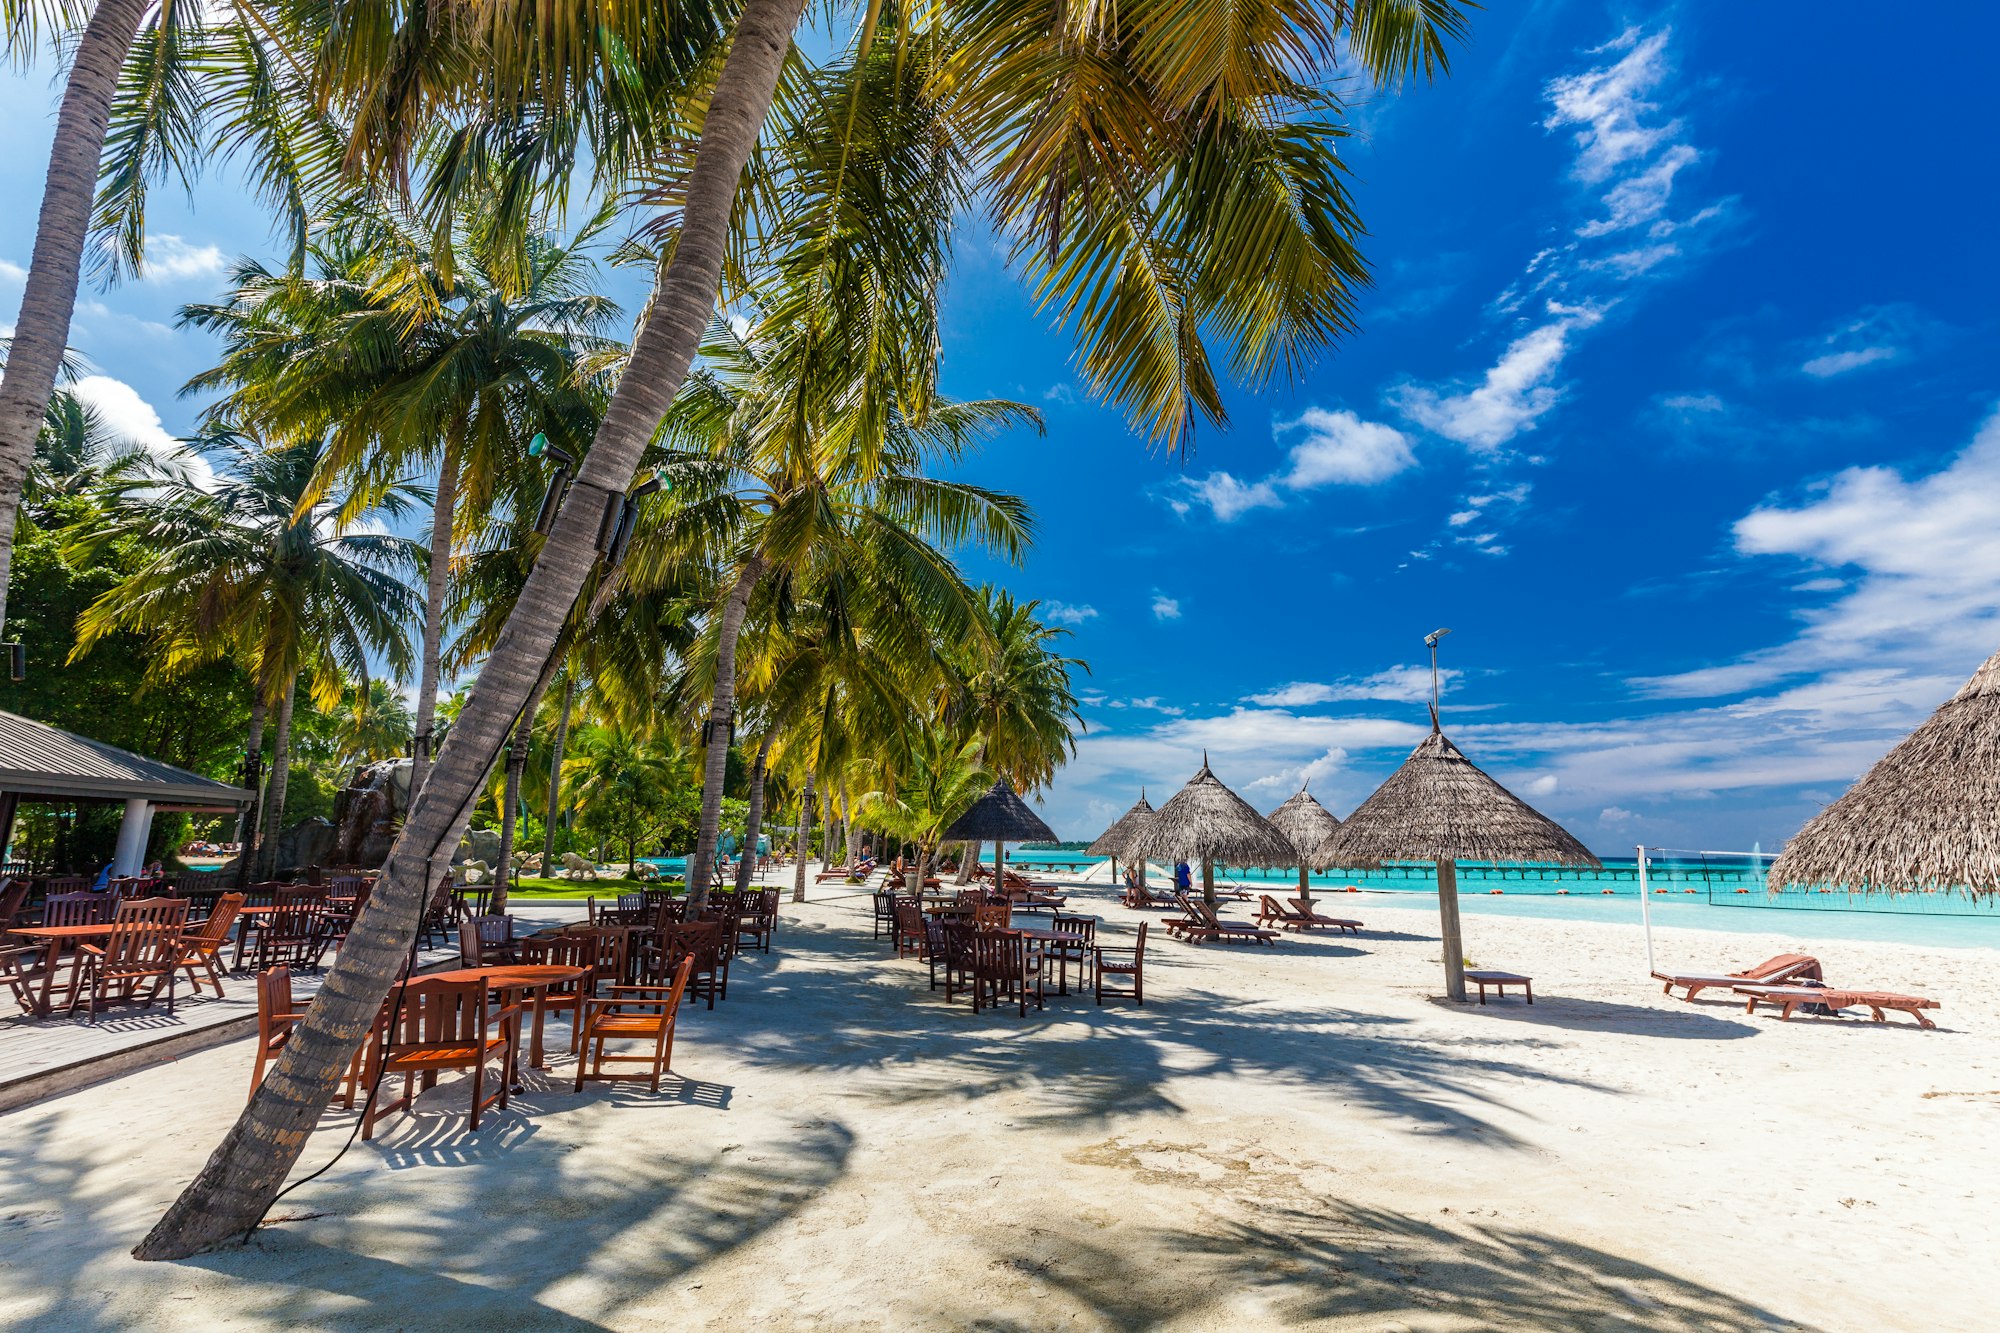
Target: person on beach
(1183, 877)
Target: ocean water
(1725, 893)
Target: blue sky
(1675, 400)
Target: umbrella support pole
(1454, 945)
(1646, 909)
(1305, 890)
(1208, 881)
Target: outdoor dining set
(972, 942)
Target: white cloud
(1642, 197)
(130, 418)
(1061, 394)
(1229, 498)
(1065, 613)
(1545, 785)
(1919, 559)
(1152, 703)
(1410, 684)
(12, 272)
(1340, 447)
(1165, 607)
(1609, 106)
(1839, 363)
(169, 259)
(1694, 402)
(1514, 393)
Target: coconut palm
(242, 571)
(804, 511)
(929, 784)
(1169, 176)
(620, 777)
(413, 356)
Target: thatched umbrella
(1312, 829)
(1925, 819)
(999, 817)
(1114, 840)
(1439, 806)
(1207, 822)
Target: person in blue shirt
(1183, 877)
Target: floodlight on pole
(552, 497)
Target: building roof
(40, 761)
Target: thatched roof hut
(1439, 806)
(1205, 822)
(999, 816)
(1113, 841)
(1311, 828)
(1925, 819)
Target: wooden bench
(1500, 981)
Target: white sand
(1298, 1135)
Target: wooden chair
(77, 909)
(342, 910)
(700, 942)
(13, 901)
(760, 919)
(496, 942)
(144, 945)
(1003, 965)
(885, 913)
(562, 951)
(1119, 961)
(992, 916)
(631, 1012)
(441, 1025)
(1078, 945)
(950, 955)
(293, 933)
(202, 946)
(257, 895)
(911, 935)
(277, 1014)
(442, 913)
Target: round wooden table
(515, 978)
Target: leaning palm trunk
(805, 841)
(968, 861)
(240, 1180)
(281, 771)
(555, 777)
(715, 758)
(48, 301)
(753, 822)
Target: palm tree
(1163, 184)
(244, 571)
(1012, 694)
(374, 723)
(931, 783)
(803, 509)
(410, 355)
(620, 778)
(153, 89)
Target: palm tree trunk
(805, 841)
(236, 1186)
(555, 779)
(246, 823)
(753, 824)
(48, 301)
(517, 764)
(281, 772)
(715, 759)
(968, 858)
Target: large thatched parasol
(1114, 840)
(999, 817)
(1925, 819)
(1311, 828)
(1207, 822)
(1439, 806)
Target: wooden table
(1500, 981)
(512, 978)
(52, 939)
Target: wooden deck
(46, 1057)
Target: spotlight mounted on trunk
(552, 498)
(621, 516)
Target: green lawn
(532, 886)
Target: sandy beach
(1302, 1135)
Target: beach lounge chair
(1138, 895)
(1347, 925)
(1771, 972)
(1206, 925)
(1789, 998)
(1272, 913)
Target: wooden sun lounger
(1771, 972)
(1790, 998)
(1204, 924)
(1346, 925)
(861, 872)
